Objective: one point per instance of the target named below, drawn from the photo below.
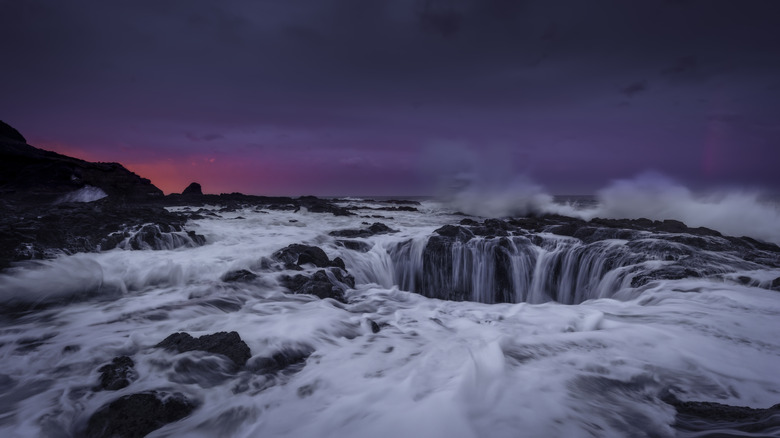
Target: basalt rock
(32, 175)
(355, 245)
(38, 232)
(295, 255)
(193, 189)
(118, 374)
(521, 259)
(137, 415)
(228, 344)
(288, 360)
(239, 275)
(727, 420)
(320, 284)
(373, 229)
(7, 132)
(317, 205)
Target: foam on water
(653, 196)
(84, 194)
(436, 368)
(737, 212)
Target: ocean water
(597, 367)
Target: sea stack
(192, 189)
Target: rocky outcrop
(355, 245)
(238, 276)
(287, 360)
(237, 201)
(727, 420)
(193, 189)
(137, 415)
(296, 255)
(38, 232)
(9, 133)
(153, 236)
(323, 284)
(32, 175)
(228, 344)
(372, 230)
(538, 259)
(118, 374)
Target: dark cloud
(684, 64)
(634, 88)
(356, 78)
(440, 18)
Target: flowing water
(553, 342)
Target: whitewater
(594, 357)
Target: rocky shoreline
(39, 220)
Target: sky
(401, 97)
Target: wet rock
(673, 272)
(397, 208)
(295, 255)
(156, 236)
(374, 326)
(118, 374)
(316, 205)
(33, 175)
(39, 232)
(372, 230)
(137, 415)
(338, 262)
(469, 222)
(193, 189)
(696, 416)
(197, 239)
(240, 275)
(287, 360)
(776, 284)
(228, 344)
(320, 284)
(355, 245)
(455, 232)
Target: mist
(650, 195)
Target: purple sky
(337, 97)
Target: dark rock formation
(227, 344)
(192, 190)
(37, 232)
(517, 259)
(320, 284)
(398, 208)
(32, 175)
(695, 416)
(295, 255)
(287, 360)
(117, 374)
(137, 415)
(460, 234)
(7, 132)
(235, 201)
(240, 275)
(153, 237)
(373, 229)
(316, 205)
(396, 205)
(355, 245)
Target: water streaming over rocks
(295, 322)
